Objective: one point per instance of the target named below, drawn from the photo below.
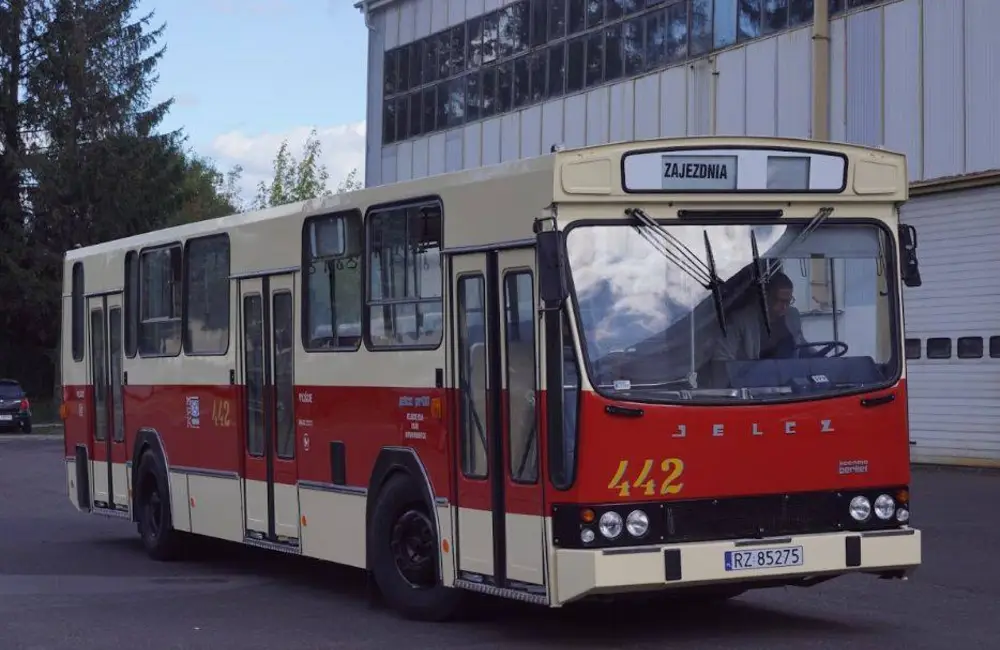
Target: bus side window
(519, 330)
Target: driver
(747, 338)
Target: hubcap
(413, 548)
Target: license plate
(764, 558)
(6, 418)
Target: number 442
(672, 468)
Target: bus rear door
(493, 374)
(109, 480)
(270, 473)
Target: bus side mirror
(908, 255)
(551, 268)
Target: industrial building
(457, 84)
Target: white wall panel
(552, 124)
(404, 161)
(423, 20)
(491, 141)
(699, 98)
(762, 87)
(575, 121)
(647, 107)
(622, 116)
(435, 154)
(731, 94)
(838, 81)
(598, 107)
(391, 26)
(373, 111)
(490, 5)
(864, 77)
(454, 142)
(407, 22)
(673, 102)
(531, 132)
(903, 125)
(421, 149)
(982, 85)
(795, 83)
(510, 137)
(439, 15)
(388, 170)
(944, 89)
(472, 150)
(474, 8)
(456, 11)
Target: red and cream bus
(636, 367)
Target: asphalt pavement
(69, 580)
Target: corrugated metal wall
(917, 76)
(955, 398)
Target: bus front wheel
(405, 556)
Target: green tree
(295, 180)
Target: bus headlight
(861, 508)
(610, 524)
(885, 507)
(637, 523)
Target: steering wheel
(827, 347)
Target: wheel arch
(404, 461)
(148, 439)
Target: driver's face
(780, 300)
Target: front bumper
(588, 572)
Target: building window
(912, 348)
(995, 347)
(969, 347)
(583, 43)
(160, 276)
(939, 348)
(404, 276)
(206, 296)
(331, 273)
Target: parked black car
(15, 409)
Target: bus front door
(494, 375)
(270, 474)
(109, 479)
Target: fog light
(637, 523)
(586, 535)
(902, 515)
(611, 524)
(884, 507)
(861, 508)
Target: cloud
(343, 149)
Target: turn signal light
(903, 496)
(587, 515)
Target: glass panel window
(519, 343)
(748, 19)
(472, 375)
(283, 335)
(724, 23)
(253, 371)
(331, 295)
(701, 26)
(206, 316)
(160, 304)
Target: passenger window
(939, 348)
(912, 348)
(331, 305)
(969, 347)
(131, 303)
(99, 374)
(404, 277)
(283, 321)
(253, 370)
(472, 375)
(160, 305)
(115, 361)
(206, 300)
(519, 328)
(78, 312)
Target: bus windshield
(815, 317)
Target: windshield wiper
(758, 280)
(682, 257)
(810, 228)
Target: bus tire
(404, 554)
(156, 528)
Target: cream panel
(121, 484)
(337, 539)
(180, 502)
(71, 482)
(583, 572)
(673, 102)
(525, 548)
(475, 541)
(98, 481)
(255, 494)
(216, 507)
(286, 510)
(446, 524)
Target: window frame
(130, 312)
(186, 295)
(362, 270)
(367, 303)
(180, 348)
(78, 312)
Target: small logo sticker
(853, 467)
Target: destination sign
(724, 170)
(699, 172)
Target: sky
(246, 74)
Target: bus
(650, 366)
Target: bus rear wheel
(153, 509)
(405, 556)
